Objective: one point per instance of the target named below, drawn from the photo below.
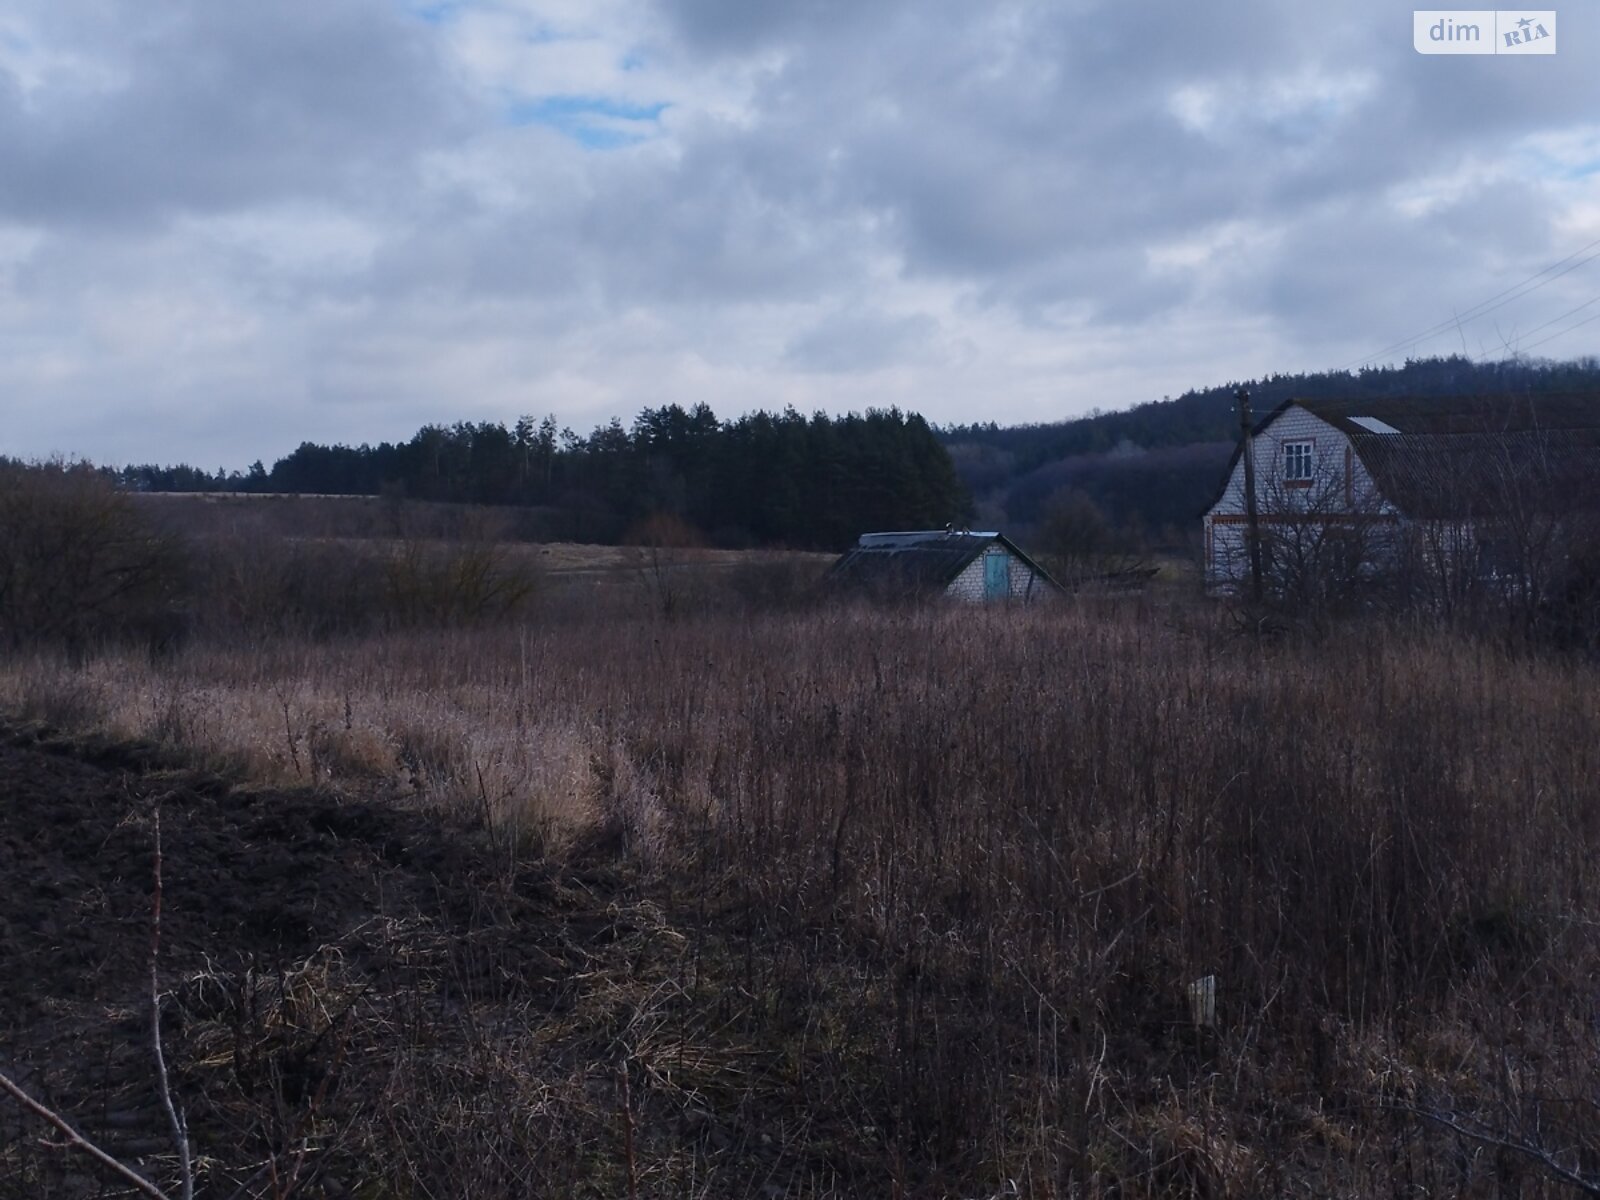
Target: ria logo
(1527, 32)
(1483, 31)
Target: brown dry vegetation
(913, 898)
(561, 896)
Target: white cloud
(226, 229)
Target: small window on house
(1297, 462)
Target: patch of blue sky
(1562, 160)
(434, 12)
(442, 12)
(594, 122)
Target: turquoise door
(996, 576)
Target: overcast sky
(227, 227)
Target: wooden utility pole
(1247, 450)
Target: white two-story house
(1349, 485)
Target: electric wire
(1559, 333)
(1499, 300)
(1570, 312)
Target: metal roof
(1469, 475)
(915, 561)
(1463, 456)
(1373, 425)
(919, 537)
(1492, 414)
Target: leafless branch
(76, 1140)
(1469, 1127)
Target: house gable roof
(1548, 412)
(1469, 475)
(918, 560)
(1461, 456)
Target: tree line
(762, 479)
(1209, 415)
(1152, 469)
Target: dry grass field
(505, 869)
(843, 902)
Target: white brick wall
(1025, 583)
(1227, 544)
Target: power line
(1499, 300)
(1561, 332)
(1562, 317)
(1546, 325)
(1515, 292)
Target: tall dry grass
(957, 869)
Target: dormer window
(1297, 462)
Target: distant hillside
(1151, 468)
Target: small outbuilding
(962, 564)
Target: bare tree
(1537, 500)
(1080, 545)
(1510, 531)
(1329, 544)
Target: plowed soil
(349, 988)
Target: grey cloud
(728, 26)
(1016, 162)
(215, 106)
(1362, 275)
(851, 341)
(979, 159)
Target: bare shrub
(265, 585)
(1572, 613)
(78, 564)
(632, 804)
(666, 561)
(46, 689)
(432, 755)
(352, 754)
(262, 585)
(775, 584)
(471, 582)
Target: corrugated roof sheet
(1481, 474)
(1549, 411)
(916, 561)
